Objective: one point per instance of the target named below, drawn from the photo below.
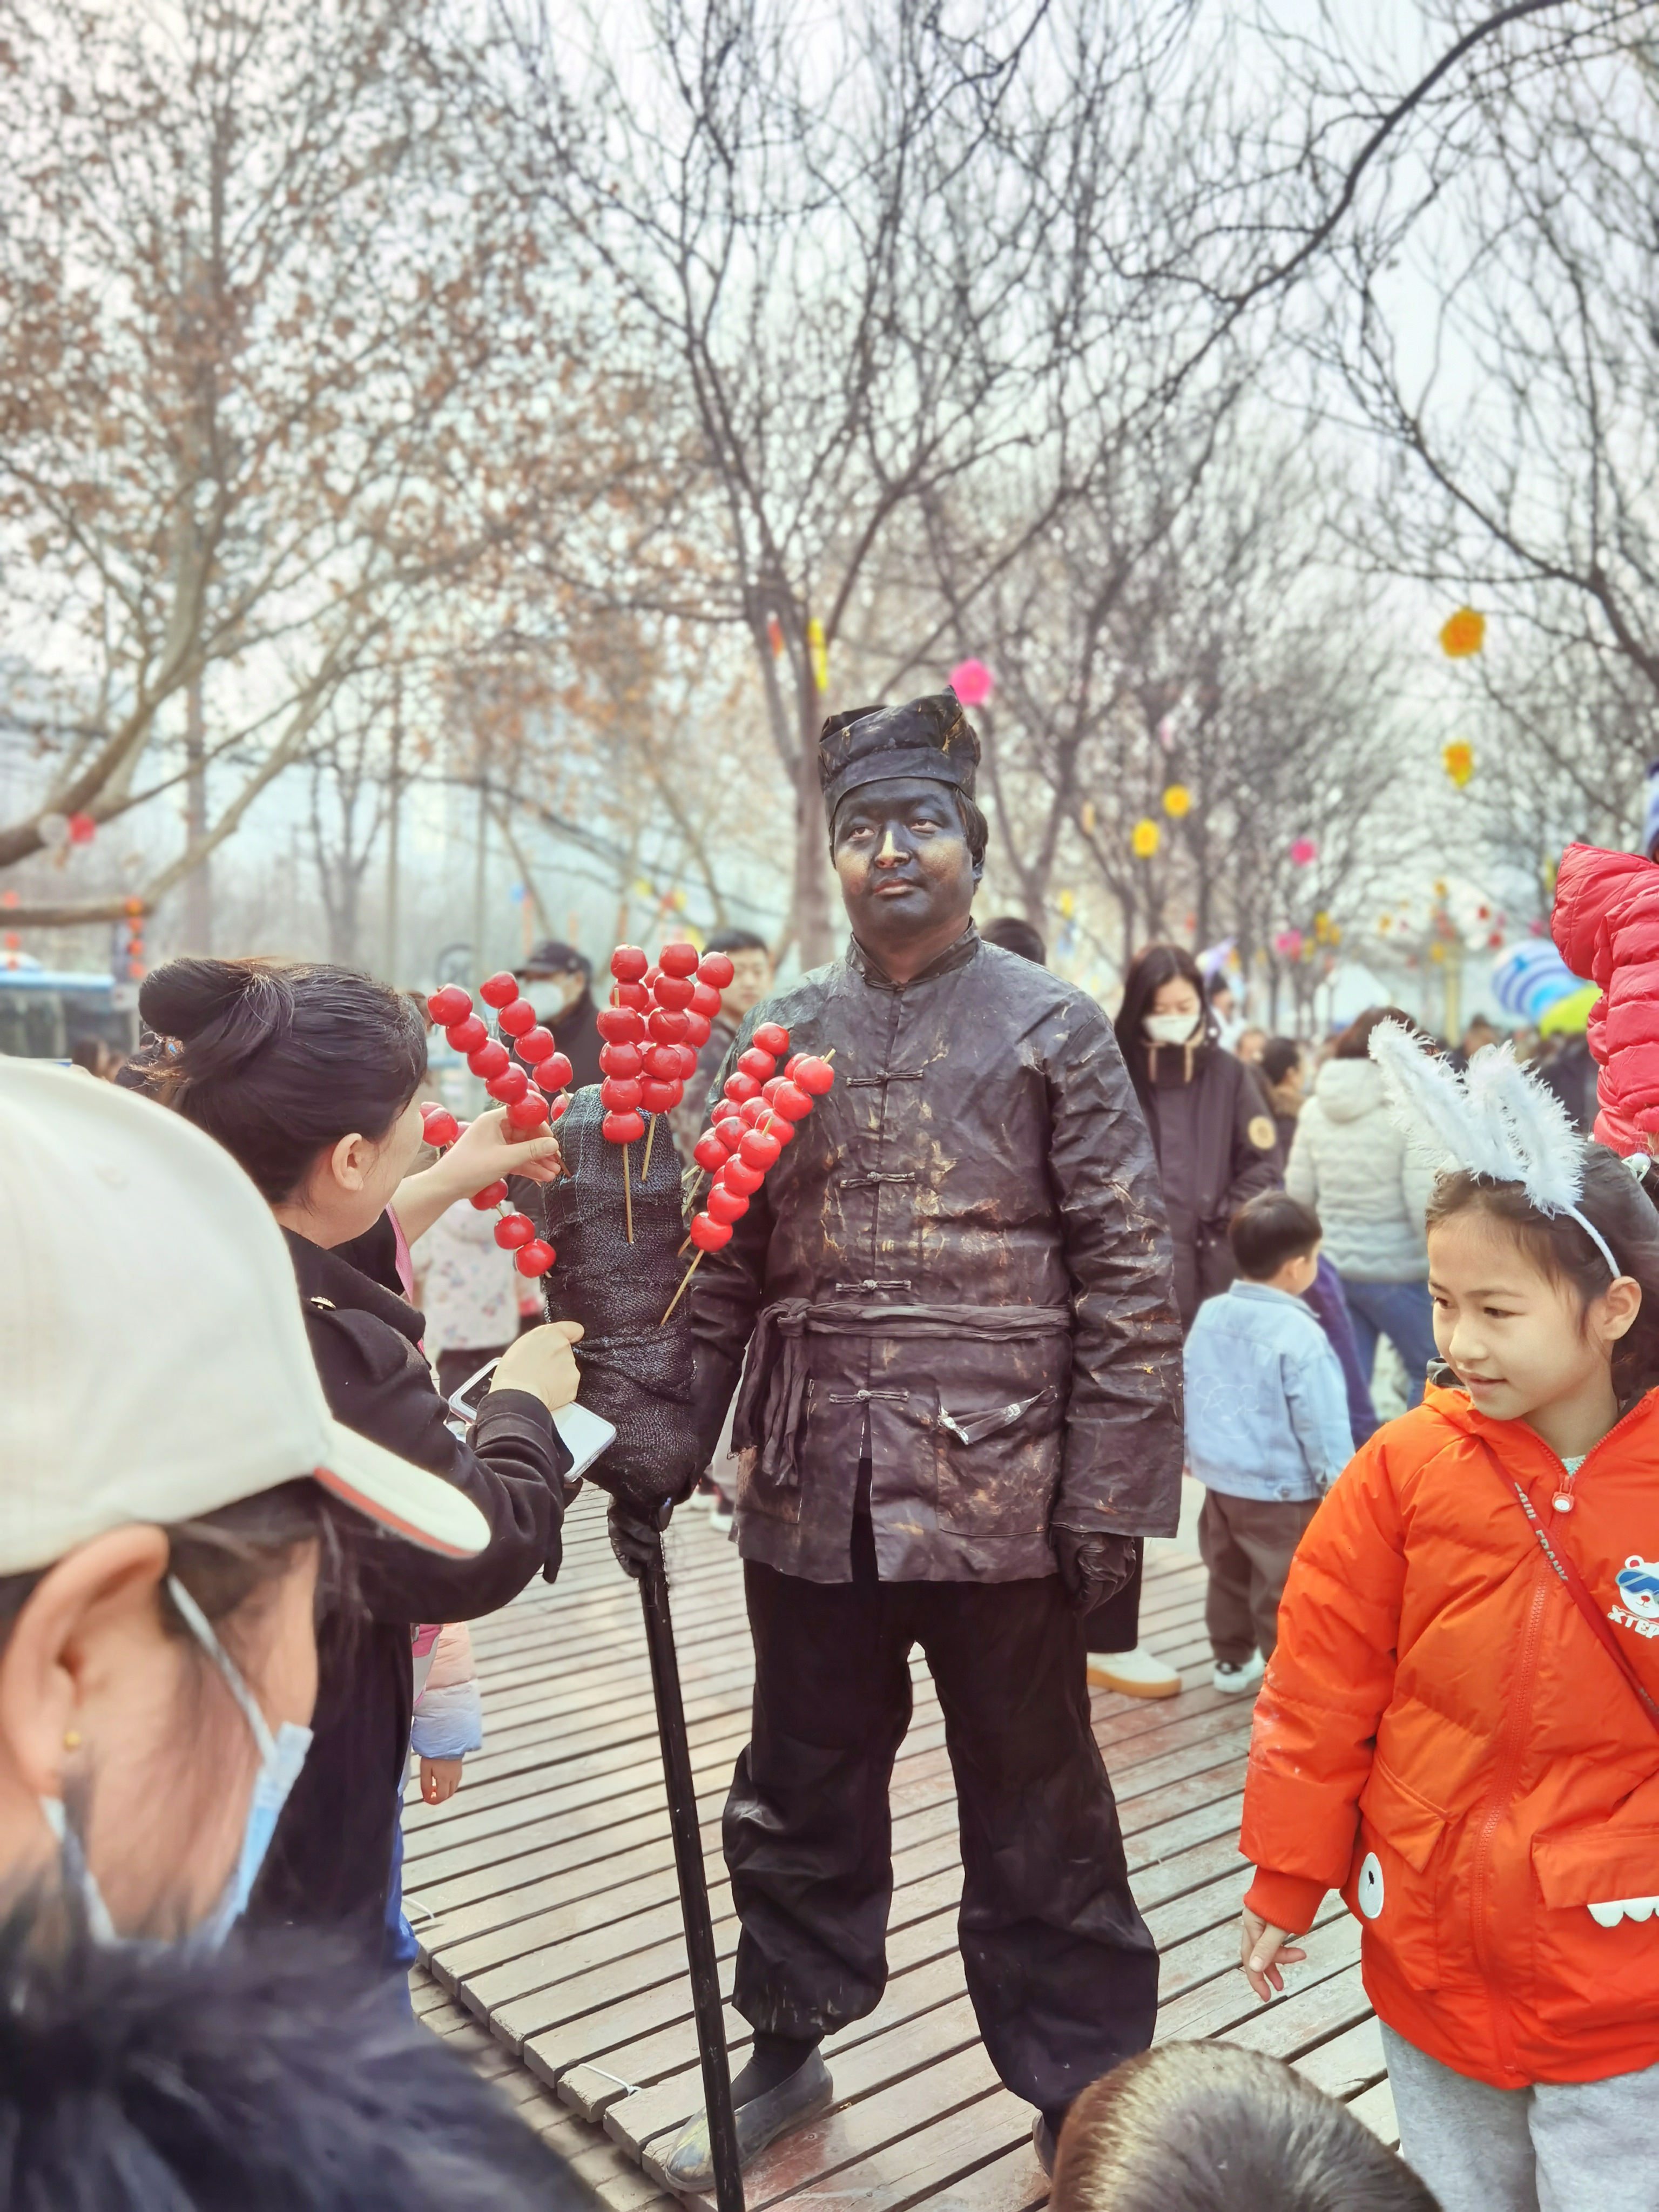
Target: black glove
(636, 1535)
(1094, 1564)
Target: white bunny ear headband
(1496, 1122)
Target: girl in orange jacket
(1444, 1735)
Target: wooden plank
(1349, 2063)
(1375, 2109)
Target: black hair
(736, 940)
(1208, 2127)
(1220, 981)
(1152, 967)
(1014, 935)
(1622, 1209)
(1279, 1057)
(276, 1060)
(1355, 1042)
(221, 1557)
(1270, 1229)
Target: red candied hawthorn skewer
(747, 1139)
(651, 1029)
(515, 1232)
(621, 1060)
(531, 1098)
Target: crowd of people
(944, 1393)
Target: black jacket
(960, 1261)
(332, 1855)
(576, 1034)
(1217, 1144)
(272, 2076)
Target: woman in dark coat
(1217, 1145)
(308, 1077)
(1212, 1129)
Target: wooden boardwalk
(544, 1898)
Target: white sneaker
(720, 1514)
(1233, 1681)
(1136, 1673)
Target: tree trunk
(394, 795)
(815, 927)
(198, 884)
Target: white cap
(153, 1361)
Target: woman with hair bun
(307, 1075)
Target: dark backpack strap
(1577, 1591)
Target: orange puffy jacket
(1441, 1736)
(1606, 925)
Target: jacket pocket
(1394, 1883)
(1595, 1972)
(996, 1459)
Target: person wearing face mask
(555, 979)
(171, 1495)
(309, 1077)
(959, 1409)
(1216, 1139)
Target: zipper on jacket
(1511, 1744)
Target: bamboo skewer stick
(628, 1196)
(680, 1293)
(650, 1137)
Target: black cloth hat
(930, 738)
(550, 958)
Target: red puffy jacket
(1441, 1736)
(1606, 925)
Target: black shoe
(800, 2096)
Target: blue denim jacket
(1267, 1407)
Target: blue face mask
(281, 1758)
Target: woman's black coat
(332, 1855)
(1217, 1143)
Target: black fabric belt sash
(772, 1398)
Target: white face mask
(1169, 1029)
(549, 996)
(281, 1758)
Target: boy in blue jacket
(1267, 1428)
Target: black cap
(930, 738)
(552, 958)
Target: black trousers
(1115, 1626)
(1061, 1966)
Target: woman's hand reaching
(486, 1150)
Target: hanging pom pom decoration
(1458, 759)
(1462, 634)
(972, 682)
(1143, 838)
(1177, 801)
(817, 656)
(1303, 852)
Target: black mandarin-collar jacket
(982, 1148)
(332, 1855)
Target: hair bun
(222, 1012)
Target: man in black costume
(960, 1409)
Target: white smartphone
(586, 1435)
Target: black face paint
(902, 857)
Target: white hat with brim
(154, 1361)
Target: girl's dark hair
(222, 1558)
(1152, 967)
(1622, 1209)
(277, 1059)
(1206, 2127)
(1355, 1042)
